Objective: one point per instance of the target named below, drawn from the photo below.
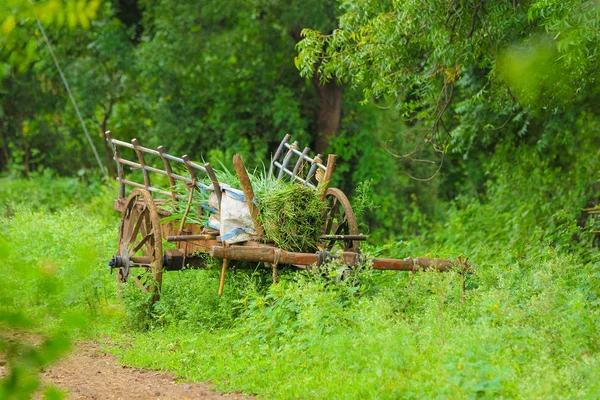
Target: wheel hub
(122, 263)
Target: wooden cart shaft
(274, 255)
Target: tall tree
(469, 68)
(231, 64)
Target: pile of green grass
(292, 217)
(291, 214)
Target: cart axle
(123, 262)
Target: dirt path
(89, 373)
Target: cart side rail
(289, 161)
(192, 168)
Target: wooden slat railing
(318, 174)
(166, 159)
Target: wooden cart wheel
(339, 220)
(140, 244)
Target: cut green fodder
(290, 214)
(292, 217)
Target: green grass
(55, 284)
(527, 328)
(523, 332)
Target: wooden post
(140, 156)
(169, 171)
(312, 170)
(223, 272)
(188, 164)
(286, 159)
(187, 208)
(242, 174)
(215, 182)
(278, 154)
(328, 173)
(300, 162)
(120, 172)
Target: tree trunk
(330, 107)
(26, 159)
(5, 147)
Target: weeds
(527, 327)
(54, 287)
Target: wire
(62, 75)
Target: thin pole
(89, 138)
(222, 281)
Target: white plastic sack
(235, 223)
(214, 221)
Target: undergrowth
(55, 285)
(523, 331)
(524, 327)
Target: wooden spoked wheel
(339, 220)
(140, 245)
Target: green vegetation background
(527, 328)
(521, 142)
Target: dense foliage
(526, 327)
(496, 102)
(468, 66)
(444, 84)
